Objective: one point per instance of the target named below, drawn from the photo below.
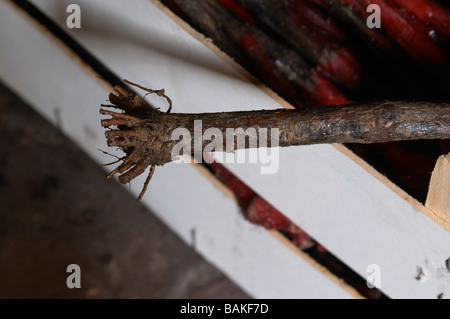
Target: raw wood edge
(438, 198)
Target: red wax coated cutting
(335, 59)
(255, 208)
(408, 33)
(262, 213)
(235, 7)
(344, 65)
(302, 10)
(326, 93)
(266, 67)
(430, 12)
(378, 38)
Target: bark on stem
(145, 135)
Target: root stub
(131, 135)
(145, 134)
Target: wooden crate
(346, 205)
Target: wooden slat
(50, 78)
(438, 198)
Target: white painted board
(48, 76)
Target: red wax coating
(257, 210)
(266, 67)
(430, 12)
(326, 93)
(236, 8)
(408, 33)
(304, 11)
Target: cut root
(126, 137)
(160, 93)
(147, 181)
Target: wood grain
(438, 199)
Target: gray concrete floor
(57, 208)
